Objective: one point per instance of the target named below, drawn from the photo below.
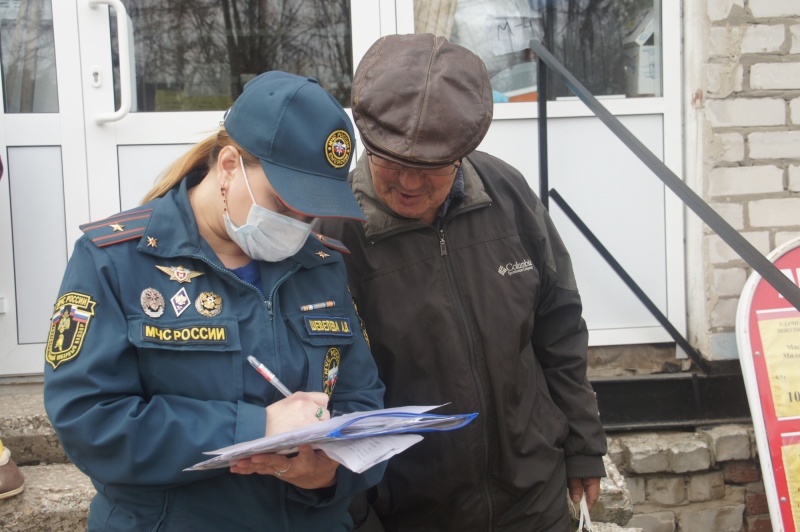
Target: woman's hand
(309, 469)
(297, 410)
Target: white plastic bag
(580, 514)
(585, 522)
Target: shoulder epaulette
(128, 225)
(331, 243)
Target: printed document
(358, 440)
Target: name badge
(328, 326)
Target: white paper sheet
(363, 453)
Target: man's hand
(577, 486)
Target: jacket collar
(173, 226)
(382, 221)
(172, 223)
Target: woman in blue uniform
(146, 363)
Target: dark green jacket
(485, 316)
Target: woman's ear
(227, 163)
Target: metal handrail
(768, 271)
(628, 280)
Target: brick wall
(693, 481)
(746, 107)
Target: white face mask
(267, 235)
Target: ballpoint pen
(267, 374)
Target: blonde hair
(202, 156)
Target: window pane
(196, 55)
(36, 178)
(28, 56)
(612, 46)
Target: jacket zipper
(275, 289)
(476, 377)
(267, 301)
(270, 311)
(271, 314)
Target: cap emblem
(338, 148)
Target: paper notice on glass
(512, 33)
(349, 432)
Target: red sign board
(768, 337)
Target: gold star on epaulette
(117, 227)
(152, 242)
(321, 237)
(322, 254)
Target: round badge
(338, 148)
(152, 302)
(330, 370)
(208, 304)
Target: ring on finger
(279, 472)
(319, 412)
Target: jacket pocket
(324, 338)
(189, 358)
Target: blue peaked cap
(304, 140)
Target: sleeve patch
(68, 327)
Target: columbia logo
(515, 267)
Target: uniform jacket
(146, 369)
(483, 316)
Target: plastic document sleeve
(375, 435)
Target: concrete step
(25, 429)
(49, 477)
(56, 497)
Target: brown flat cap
(420, 100)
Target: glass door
(99, 96)
(162, 73)
(43, 190)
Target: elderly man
(468, 296)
